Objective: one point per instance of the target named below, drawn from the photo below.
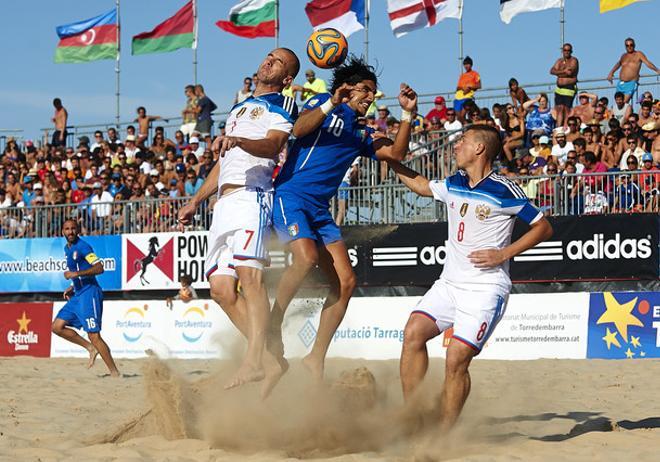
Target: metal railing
(568, 194)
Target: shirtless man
(585, 110)
(645, 114)
(566, 69)
(143, 120)
(630, 64)
(59, 119)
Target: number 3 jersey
(253, 118)
(317, 162)
(480, 217)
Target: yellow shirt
(372, 109)
(317, 85)
(288, 91)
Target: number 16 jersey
(480, 217)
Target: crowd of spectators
(106, 177)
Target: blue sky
(426, 59)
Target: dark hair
(647, 104)
(295, 64)
(580, 142)
(190, 87)
(512, 81)
(57, 102)
(186, 280)
(141, 107)
(590, 157)
(490, 137)
(72, 220)
(468, 60)
(354, 70)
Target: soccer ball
(327, 48)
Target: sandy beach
(56, 409)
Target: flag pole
(561, 24)
(117, 63)
(366, 31)
(460, 34)
(277, 23)
(194, 48)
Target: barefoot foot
(274, 369)
(93, 353)
(314, 367)
(244, 375)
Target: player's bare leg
(104, 351)
(59, 328)
(258, 310)
(457, 382)
(305, 257)
(224, 293)
(414, 356)
(334, 262)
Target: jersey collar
(467, 180)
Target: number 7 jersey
(480, 217)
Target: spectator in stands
(630, 63)
(194, 147)
(468, 83)
(518, 95)
(649, 135)
(179, 142)
(144, 123)
(645, 114)
(591, 144)
(158, 144)
(98, 139)
(28, 192)
(113, 138)
(60, 119)
(514, 126)
(439, 110)
(572, 129)
(585, 109)
(633, 152)
(537, 149)
(608, 150)
(649, 180)
(118, 187)
(566, 70)
(205, 106)
(12, 187)
(190, 111)
(130, 148)
(561, 148)
(245, 92)
(540, 116)
(313, 86)
(206, 166)
(621, 109)
(350, 179)
(627, 197)
(452, 124)
(383, 115)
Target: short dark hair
(186, 280)
(580, 142)
(141, 107)
(590, 157)
(618, 94)
(71, 220)
(512, 81)
(468, 60)
(490, 137)
(295, 68)
(353, 71)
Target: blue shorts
(343, 193)
(84, 310)
(296, 218)
(627, 88)
(459, 103)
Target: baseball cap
(154, 173)
(116, 176)
(649, 126)
(439, 100)
(38, 186)
(173, 181)
(544, 140)
(382, 107)
(194, 139)
(647, 157)
(96, 185)
(130, 138)
(27, 179)
(83, 139)
(180, 168)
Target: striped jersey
(252, 119)
(480, 217)
(79, 257)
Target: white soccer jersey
(481, 217)
(252, 119)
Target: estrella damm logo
(624, 325)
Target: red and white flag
(409, 15)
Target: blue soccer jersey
(79, 257)
(317, 162)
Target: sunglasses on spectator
(631, 162)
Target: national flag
(174, 33)
(251, 18)
(510, 8)
(88, 40)
(609, 5)
(409, 15)
(347, 16)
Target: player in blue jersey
(84, 307)
(329, 138)
(471, 294)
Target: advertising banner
(38, 265)
(25, 329)
(198, 329)
(624, 325)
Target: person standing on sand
(84, 308)
(472, 292)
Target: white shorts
(188, 129)
(473, 312)
(239, 232)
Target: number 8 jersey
(480, 217)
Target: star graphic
(23, 323)
(634, 341)
(629, 353)
(642, 353)
(619, 314)
(610, 338)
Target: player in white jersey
(257, 131)
(472, 292)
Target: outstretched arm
(539, 231)
(397, 150)
(413, 180)
(310, 120)
(209, 187)
(267, 148)
(648, 63)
